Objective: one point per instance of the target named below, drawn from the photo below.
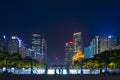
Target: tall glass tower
(36, 43)
(78, 43)
(39, 46)
(68, 53)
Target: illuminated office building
(68, 52)
(44, 50)
(36, 43)
(88, 51)
(112, 42)
(39, 46)
(3, 44)
(103, 43)
(78, 43)
(14, 44)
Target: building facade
(13, 45)
(39, 46)
(69, 53)
(112, 42)
(3, 44)
(88, 51)
(103, 43)
(78, 42)
(36, 43)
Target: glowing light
(4, 68)
(4, 36)
(64, 71)
(20, 42)
(51, 71)
(56, 58)
(109, 36)
(40, 71)
(70, 42)
(23, 68)
(13, 37)
(12, 68)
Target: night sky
(58, 20)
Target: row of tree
(17, 61)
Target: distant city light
(20, 42)
(4, 68)
(30, 49)
(4, 36)
(51, 71)
(70, 42)
(56, 58)
(13, 37)
(109, 36)
(12, 68)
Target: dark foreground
(59, 77)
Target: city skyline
(106, 42)
(58, 20)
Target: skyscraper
(68, 52)
(3, 44)
(72, 49)
(112, 42)
(78, 43)
(44, 50)
(103, 43)
(13, 45)
(36, 43)
(39, 46)
(95, 42)
(88, 51)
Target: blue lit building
(88, 51)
